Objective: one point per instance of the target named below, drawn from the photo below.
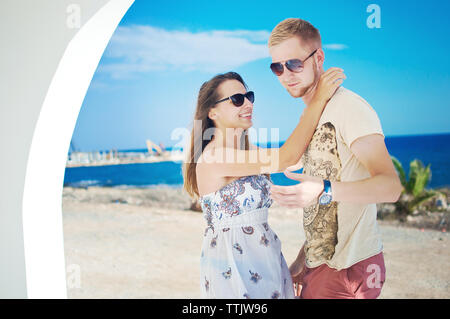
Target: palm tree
(414, 189)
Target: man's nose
(287, 75)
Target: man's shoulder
(345, 100)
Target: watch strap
(327, 186)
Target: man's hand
(300, 195)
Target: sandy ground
(145, 243)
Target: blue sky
(149, 76)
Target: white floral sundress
(241, 255)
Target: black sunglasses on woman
(238, 99)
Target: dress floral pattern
(241, 255)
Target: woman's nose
(248, 103)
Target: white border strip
(42, 198)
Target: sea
(429, 149)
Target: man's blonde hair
(291, 27)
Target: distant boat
(151, 146)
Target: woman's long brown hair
(207, 96)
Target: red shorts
(363, 280)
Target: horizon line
(268, 142)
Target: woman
(241, 255)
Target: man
(347, 169)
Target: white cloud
(261, 36)
(138, 49)
(335, 46)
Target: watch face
(325, 199)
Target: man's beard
(307, 89)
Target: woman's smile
(247, 116)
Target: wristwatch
(326, 197)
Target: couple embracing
(347, 169)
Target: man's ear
(320, 57)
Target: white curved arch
(41, 203)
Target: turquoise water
(430, 149)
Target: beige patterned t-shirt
(340, 234)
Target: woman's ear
(212, 114)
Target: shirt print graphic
(321, 159)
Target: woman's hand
(301, 195)
(298, 270)
(327, 85)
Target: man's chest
(321, 158)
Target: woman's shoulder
(205, 157)
(207, 178)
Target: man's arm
(382, 187)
